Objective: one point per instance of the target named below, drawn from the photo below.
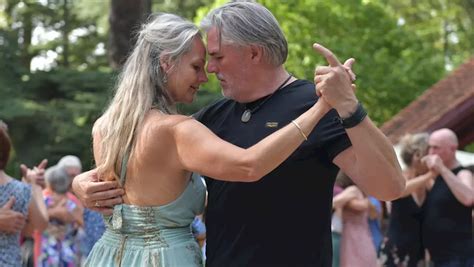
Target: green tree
(50, 113)
(448, 24)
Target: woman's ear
(165, 64)
(416, 157)
(417, 154)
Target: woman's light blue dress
(152, 236)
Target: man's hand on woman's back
(97, 195)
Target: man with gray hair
(447, 221)
(245, 222)
(283, 219)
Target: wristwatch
(354, 118)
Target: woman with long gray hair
(152, 152)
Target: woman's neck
(4, 178)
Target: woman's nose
(203, 77)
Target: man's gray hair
(249, 23)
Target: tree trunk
(66, 34)
(26, 33)
(125, 18)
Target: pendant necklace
(248, 112)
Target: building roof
(447, 104)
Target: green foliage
(53, 113)
(469, 148)
(184, 8)
(446, 24)
(57, 27)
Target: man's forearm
(377, 170)
(462, 192)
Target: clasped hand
(433, 162)
(334, 82)
(11, 221)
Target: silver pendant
(246, 115)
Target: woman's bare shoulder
(158, 121)
(160, 128)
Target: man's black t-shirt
(284, 218)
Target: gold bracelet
(301, 131)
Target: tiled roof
(449, 103)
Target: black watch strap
(355, 118)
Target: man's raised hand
(334, 82)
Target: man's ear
(256, 53)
